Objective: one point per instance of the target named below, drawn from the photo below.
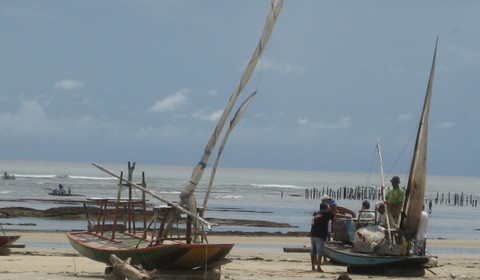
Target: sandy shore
(252, 258)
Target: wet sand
(253, 257)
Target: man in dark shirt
(318, 234)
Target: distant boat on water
(61, 191)
(7, 176)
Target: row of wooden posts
(372, 193)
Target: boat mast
(382, 189)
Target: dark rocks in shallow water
(78, 213)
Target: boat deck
(122, 241)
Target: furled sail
(233, 123)
(415, 192)
(187, 198)
(382, 178)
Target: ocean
(250, 194)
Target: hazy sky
(145, 81)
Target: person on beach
(342, 225)
(394, 201)
(326, 199)
(318, 235)
(381, 217)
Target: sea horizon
(238, 193)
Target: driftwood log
(122, 270)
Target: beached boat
(154, 239)
(395, 247)
(147, 245)
(7, 240)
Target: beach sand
(253, 257)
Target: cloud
(445, 124)
(68, 84)
(343, 123)
(31, 121)
(404, 117)
(213, 117)
(302, 121)
(270, 65)
(213, 92)
(465, 55)
(170, 103)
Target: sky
(146, 81)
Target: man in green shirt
(394, 200)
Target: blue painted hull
(345, 255)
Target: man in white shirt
(381, 217)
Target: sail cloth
(415, 192)
(187, 198)
(233, 123)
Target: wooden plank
(297, 250)
(15, 245)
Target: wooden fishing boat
(397, 246)
(7, 176)
(152, 251)
(67, 194)
(126, 229)
(7, 240)
(345, 254)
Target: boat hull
(6, 240)
(345, 255)
(169, 256)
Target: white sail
(187, 198)
(415, 192)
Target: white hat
(379, 204)
(324, 197)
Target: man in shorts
(319, 234)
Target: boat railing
(168, 215)
(121, 220)
(120, 215)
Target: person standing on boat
(319, 234)
(61, 190)
(381, 217)
(394, 201)
(421, 234)
(365, 216)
